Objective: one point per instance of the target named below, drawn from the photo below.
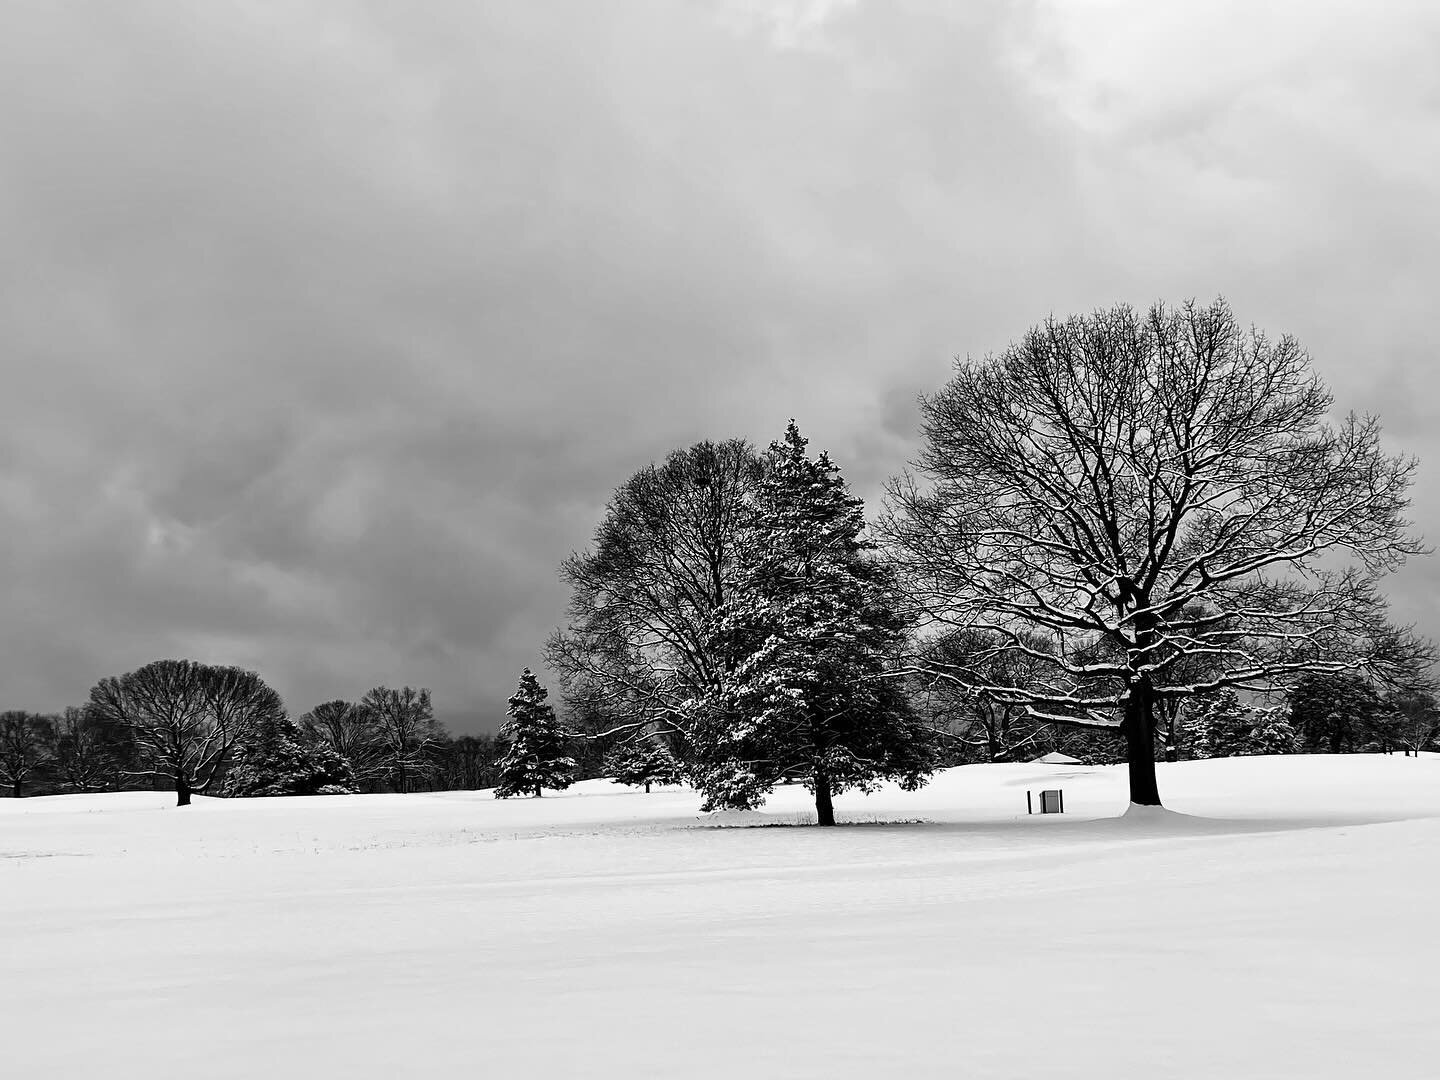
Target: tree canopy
(1144, 491)
(186, 717)
(637, 646)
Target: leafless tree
(351, 730)
(664, 559)
(406, 733)
(1170, 710)
(1405, 680)
(27, 744)
(1166, 486)
(468, 762)
(1416, 717)
(186, 717)
(953, 664)
(90, 753)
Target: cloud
(329, 326)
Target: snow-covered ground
(1281, 924)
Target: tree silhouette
(1143, 491)
(185, 717)
(636, 648)
(27, 745)
(534, 756)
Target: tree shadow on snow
(1136, 822)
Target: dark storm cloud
(329, 327)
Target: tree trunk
(1138, 727)
(824, 807)
(182, 793)
(1170, 709)
(647, 787)
(988, 725)
(16, 787)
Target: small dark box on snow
(1051, 802)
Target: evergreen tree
(807, 638)
(1215, 728)
(1271, 733)
(1226, 728)
(645, 762)
(535, 757)
(277, 759)
(1335, 713)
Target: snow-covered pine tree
(535, 756)
(1335, 713)
(808, 636)
(643, 761)
(1270, 732)
(1226, 728)
(277, 759)
(1214, 727)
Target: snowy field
(1281, 924)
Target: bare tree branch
(1147, 507)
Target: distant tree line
(195, 728)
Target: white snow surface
(1276, 920)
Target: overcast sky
(328, 327)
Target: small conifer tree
(535, 756)
(1270, 733)
(645, 762)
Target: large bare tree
(186, 717)
(352, 731)
(1147, 491)
(407, 736)
(636, 650)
